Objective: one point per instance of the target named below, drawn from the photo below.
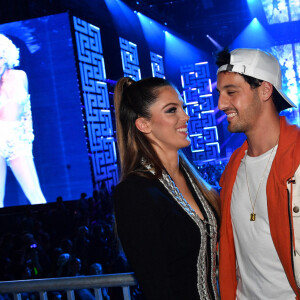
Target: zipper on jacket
(291, 230)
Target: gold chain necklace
(253, 214)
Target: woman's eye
(171, 110)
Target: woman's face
(168, 122)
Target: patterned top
(170, 249)
(207, 228)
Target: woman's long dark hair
(132, 99)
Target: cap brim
(285, 97)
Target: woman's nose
(186, 117)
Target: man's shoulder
(238, 153)
(289, 128)
(234, 162)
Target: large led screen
(60, 145)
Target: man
(260, 196)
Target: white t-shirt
(260, 274)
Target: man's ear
(143, 125)
(266, 90)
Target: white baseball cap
(257, 64)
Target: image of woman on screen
(166, 215)
(16, 132)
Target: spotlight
(214, 42)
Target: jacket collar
(289, 142)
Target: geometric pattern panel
(208, 119)
(130, 59)
(191, 96)
(195, 126)
(95, 103)
(157, 65)
(209, 152)
(197, 94)
(196, 76)
(206, 102)
(197, 143)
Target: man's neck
(264, 137)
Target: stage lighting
(281, 11)
(215, 43)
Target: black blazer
(161, 241)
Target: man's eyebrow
(228, 86)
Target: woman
(16, 133)
(166, 215)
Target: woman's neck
(171, 163)
(3, 72)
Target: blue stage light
(255, 7)
(121, 15)
(253, 36)
(153, 32)
(215, 43)
(179, 52)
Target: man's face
(239, 102)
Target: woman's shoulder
(16, 80)
(138, 195)
(136, 182)
(138, 188)
(16, 74)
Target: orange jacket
(284, 166)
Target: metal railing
(69, 284)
